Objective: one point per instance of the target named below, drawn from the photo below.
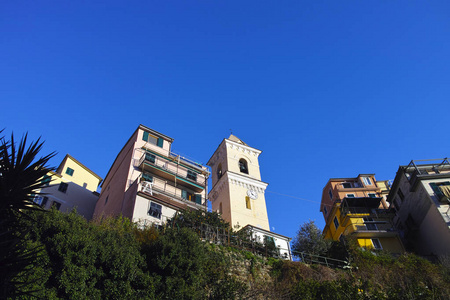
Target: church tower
(237, 190)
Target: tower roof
(236, 139)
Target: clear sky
(324, 88)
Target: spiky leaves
(20, 176)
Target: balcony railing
(367, 211)
(186, 160)
(173, 168)
(160, 187)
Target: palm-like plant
(21, 175)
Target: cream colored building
(237, 190)
(238, 193)
(72, 185)
(420, 198)
(149, 183)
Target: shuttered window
(152, 139)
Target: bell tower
(237, 190)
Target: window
(40, 200)
(152, 139)
(400, 194)
(69, 171)
(106, 200)
(370, 224)
(155, 210)
(191, 175)
(331, 194)
(220, 208)
(150, 157)
(350, 195)
(147, 177)
(325, 211)
(44, 202)
(219, 171)
(46, 180)
(191, 197)
(367, 181)
(347, 185)
(372, 195)
(336, 222)
(376, 244)
(56, 205)
(63, 187)
(243, 166)
(248, 204)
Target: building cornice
(243, 148)
(232, 145)
(238, 180)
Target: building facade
(238, 193)
(357, 208)
(71, 186)
(148, 182)
(420, 197)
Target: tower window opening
(243, 166)
(219, 171)
(247, 202)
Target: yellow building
(356, 208)
(72, 185)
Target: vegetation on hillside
(114, 259)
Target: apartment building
(420, 197)
(356, 208)
(148, 182)
(71, 186)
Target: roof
(59, 169)
(266, 231)
(154, 132)
(236, 139)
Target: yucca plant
(21, 173)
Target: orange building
(357, 208)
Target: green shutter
(159, 143)
(436, 189)
(150, 157)
(198, 199)
(145, 136)
(183, 194)
(147, 177)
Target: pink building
(148, 183)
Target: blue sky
(324, 88)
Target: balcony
(168, 193)
(173, 170)
(370, 229)
(426, 169)
(354, 186)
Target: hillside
(114, 259)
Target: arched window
(219, 171)
(220, 208)
(243, 166)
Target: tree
(20, 176)
(309, 239)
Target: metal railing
(173, 168)
(159, 186)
